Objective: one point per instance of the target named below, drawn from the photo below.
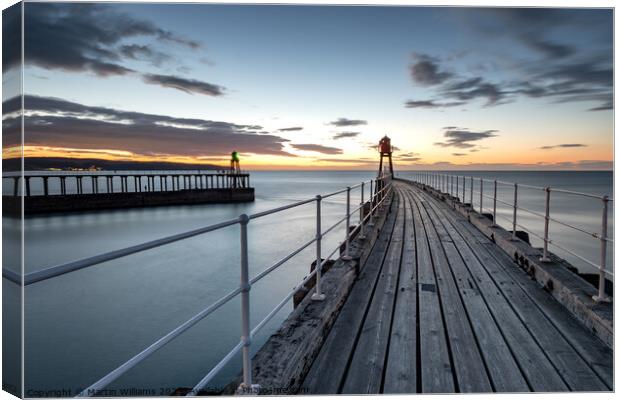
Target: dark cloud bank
(60, 123)
(93, 38)
(563, 72)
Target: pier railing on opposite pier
(378, 191)
(50, 183)
(462, 187)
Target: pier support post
(318, 295)
(46, 190)
(346, 256)
(27, 186)
(602, 296)
(545, 257)
(15, 185)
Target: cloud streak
(563, 145)
(344, 135)
(464, 138)
(317, 148)
(431, 104)
(190, 86)
(340, 122)
(425, 71)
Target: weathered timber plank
(574, 370)
(365, 372)
(593, 351)
(471, 374)
(328, 369)
(401, 368)
(502, 367)
(436, 370)
(535, 365)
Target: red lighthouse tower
(385, 150)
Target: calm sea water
(82, 325)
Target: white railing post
(362, 213)
(456, 192)
(451, 185)
(471, 191)
(602, 296)
(495, 202)
(481, 188)
(347, 256)
(318, 295)
(545, 257)
(514, 215)
(370, 197)
(463, 200)
(245, 286)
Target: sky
(305, 87)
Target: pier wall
(98, 201)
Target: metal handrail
(72, 266)
(440, 181)
(375, 199)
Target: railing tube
(318, 295)
(514, 214)
(245, 287)
(347, 240)
(545, 257)
(602, 296)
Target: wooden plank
(401, 369)
(594, 352)
(502, 367)
(574, 370)
(436, 371)
(365, 372)
(535, 365)
(470, 370)
(328, 369)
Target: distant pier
(48, 192)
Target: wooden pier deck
(439, 308)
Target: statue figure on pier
(385, 150)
